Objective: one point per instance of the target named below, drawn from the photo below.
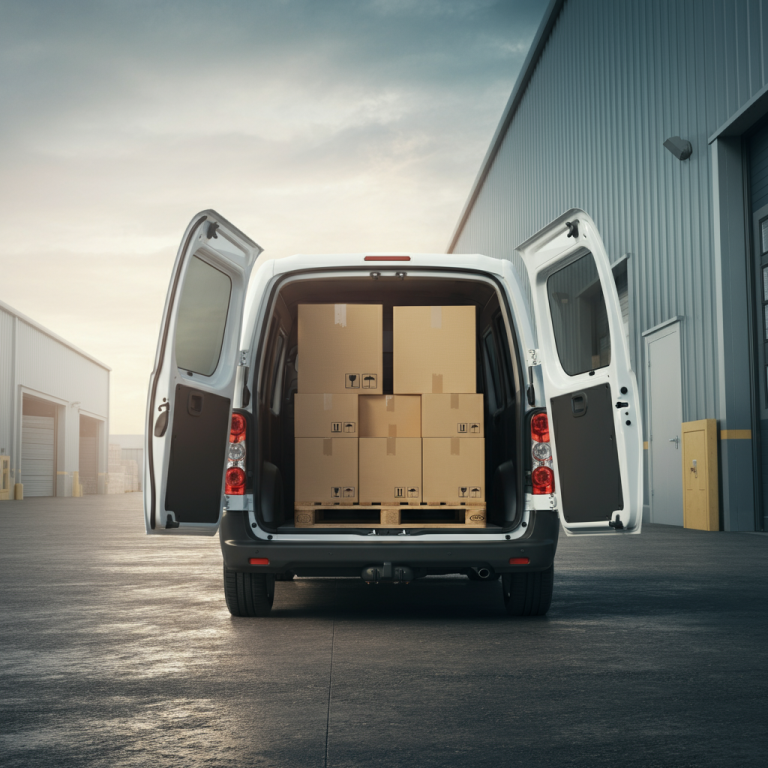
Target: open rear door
(591, 390)
(190, 391)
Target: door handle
(676, 441)
(195, 403)
(161, 425)
(579, 404)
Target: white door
(590, 388)
(190, 392)
(37, 454)
(665, 403)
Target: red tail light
(519, 561)
(258, 561)
(237, 430)
(543, 480)
(540, 428)
(234, 481)
(542, 474)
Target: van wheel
(528, 594)
(249, 594)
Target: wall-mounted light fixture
(680, 148)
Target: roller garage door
(38, 455)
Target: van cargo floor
(386, 516)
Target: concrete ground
(117, 650)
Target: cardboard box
(434, 350)
(326, 470)
(340, 349)
(452, 416)
(325, 416)
(453, 470)
(390, 415)
(390, 470)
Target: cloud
(333, 126)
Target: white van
(563, 442)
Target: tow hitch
(398, 574)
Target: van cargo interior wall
(277, 425)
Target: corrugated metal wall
(617, 78)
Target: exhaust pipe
(483, 574)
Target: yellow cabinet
(701, 508)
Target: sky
(313, 126)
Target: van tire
(249, 594)
(528, 594)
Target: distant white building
(131, 450)
(54, 410)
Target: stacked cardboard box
(424, 443)
(390, 449)
(340, 356)
(435, 356)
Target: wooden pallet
(389, 516)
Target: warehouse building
(54, 405)
(651, 117)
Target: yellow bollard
(18, 491)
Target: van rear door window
(202, 317)
(579, 316)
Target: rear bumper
(538, 544)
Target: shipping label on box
(390, 470)
(453, 470)
(326, 470)
(325, 416)
(390, 415)
(452, 416)
(340, 349)
(434, 350)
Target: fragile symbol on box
(474, 428)
(352, 381)
(336, 492)
(349, 426)
(463, 491)
(336, 426)
(349, 492)
(413, 493)
(462, 428)
(369, 381)
(474, 491)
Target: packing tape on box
(437, 383)
(327, 446)
(390, 402)
(454, 402)
(340, 315)
(455, 446)
(437, 317)
(391, 446)
(392, 430)
(327, 402)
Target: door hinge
(543, 501)
(532, 357)
(170, 522)
(617, 524)
(243, 357)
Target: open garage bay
(118, 650)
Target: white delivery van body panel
(590, 388)
(192, 386)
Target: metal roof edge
(534, 52)
(29, 321)
(744, 117)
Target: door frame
(668, 327)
